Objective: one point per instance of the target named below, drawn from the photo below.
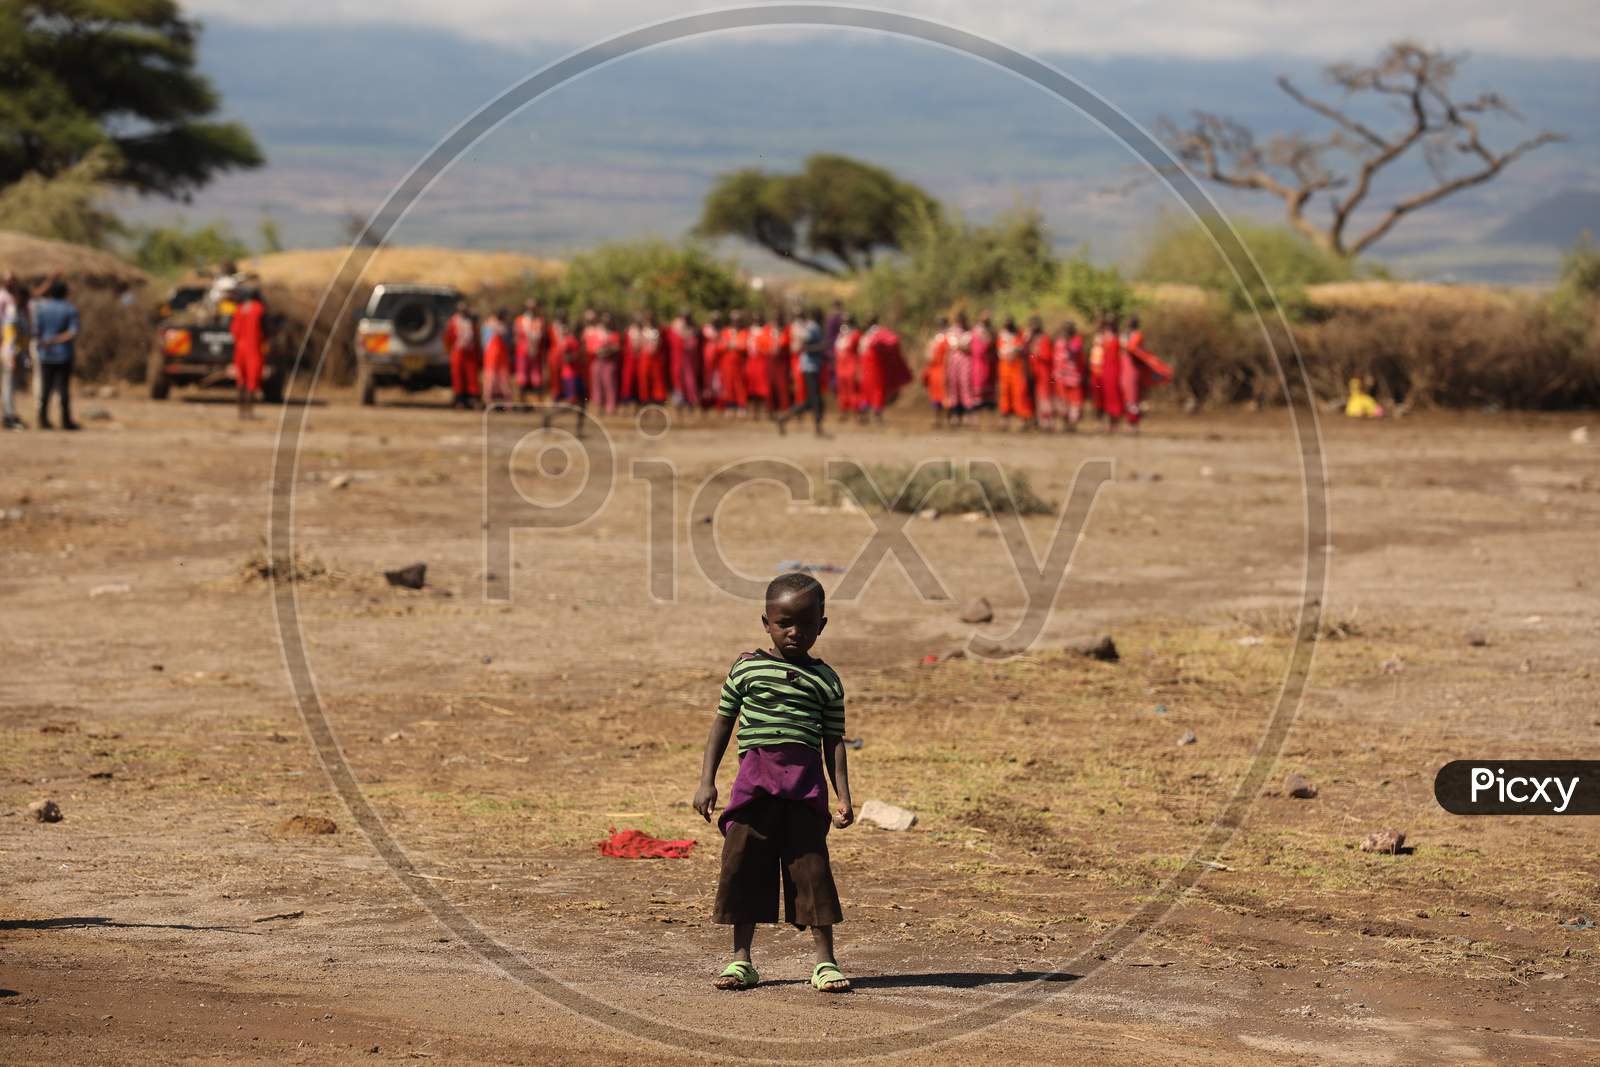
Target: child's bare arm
(705, 798)
(838, 765)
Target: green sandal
(827, 978)
(743, 974)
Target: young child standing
(789, 709)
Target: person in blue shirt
(55, 332)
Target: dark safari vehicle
(400, 339)
(194, 344)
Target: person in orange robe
(461, 341)
(847, 367)
(731, 361)
(933, 371)
(496, 358)
(1013, 374)
(249, 349)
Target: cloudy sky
(1215, 28)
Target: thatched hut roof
(471, 272)
(34, 258)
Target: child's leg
(744, 935)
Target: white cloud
(1348, 28)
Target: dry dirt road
(171, 917)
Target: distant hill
(1556, 220)
(629, 150)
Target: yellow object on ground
(1362, 404)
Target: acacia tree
(114, 77)
(1298, 167)
(835, 207)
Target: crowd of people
(1036, 379)
(779, 366)
(38, 330)
(741, 364)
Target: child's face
(793, 622)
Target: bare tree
(1343, 164)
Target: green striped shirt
(781, 703)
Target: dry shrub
(1510, 353)
(909, 489)
(114, 338)
(262, 567)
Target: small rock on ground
(45, 810)
(978, 611)
(887, 816)
(1188, 738)
(1100, 648)
(1299, 787)
(412, 577)
(1390, 841)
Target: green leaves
(117, 76)
(836, 207)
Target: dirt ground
(167, 918)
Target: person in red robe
(847, 367)
(683, 341)
(758, 365)
(628, 393)
(985, 361)
(1109, 385)
(883, 370)
(1069, 373)
(572, 358)
(735, 341)
(461, 341)
(1141, 371)
(711, 362)
(647, 343)
(779, 370)
(249, 349)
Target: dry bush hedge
(1512, 354)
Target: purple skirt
(790, 771)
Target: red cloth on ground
(638, 845)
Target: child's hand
(844, 814)
(705, 800)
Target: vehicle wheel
(156, 378)
(366, 387)
(272, 389)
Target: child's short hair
(797, 582)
